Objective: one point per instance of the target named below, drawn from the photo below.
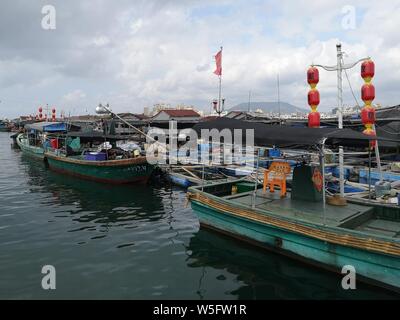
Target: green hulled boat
(366, 237)
(4, 126)
(32, 141)
(304, 223)
(28, 148)
(132, 170)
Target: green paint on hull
(376, 268)
(116, 174)
(36, 152)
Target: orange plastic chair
(276, 176)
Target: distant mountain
(268, 107)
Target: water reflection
(133, 242)
(100, 202)
(265, 275)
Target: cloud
(136, 54)
(74, 96)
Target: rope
(351, 88)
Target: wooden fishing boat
(303, 223)
(186, 176)
(32, 142)
(366, 237)
(133, 170)
(36, 151)
(4, 126)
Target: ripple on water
(129, 242)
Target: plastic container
(54, 143)
(382, 188)
(95, 156)
(274, 153)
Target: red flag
(218, 62)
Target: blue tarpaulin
(47, 126)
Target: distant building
(177, 115)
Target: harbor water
(133, 242)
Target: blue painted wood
(381, 268)
(182, 182)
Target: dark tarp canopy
(98, 136)
(289, 137)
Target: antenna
(248, 106)
(279, 101)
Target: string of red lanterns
(313, 97)
(53, 114)
(40, 114)
(368, 95)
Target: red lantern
(40, 115)
(370, 132)
(313, 97)
(367, 70)
(368, 115)
(53, 110)
(368, 93)
(215, 104)
(314, 119)
(312, 76)
(40, 109)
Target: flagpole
(220, 85)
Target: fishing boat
(32, 141)
(136, 170)
(186, 175)
(95, 156)
(4, 127)
(303, 222)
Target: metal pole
(369, 173)
(256, 180)
(340, 119)
(322, 161)
(248, 106)
(279, 102)
(202, 177)
(378, 158)
(219, 93)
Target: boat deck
(310, 211)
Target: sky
(133, 54)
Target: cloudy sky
(133, 53)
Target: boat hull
(32, 151)
(374, 267)
(136, 170)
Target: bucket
(54, 143)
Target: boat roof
(100, 136)
(291, 137)
(48, 126)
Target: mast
(220, 109)
(279, 101)
(339, 67)
(340, 119)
